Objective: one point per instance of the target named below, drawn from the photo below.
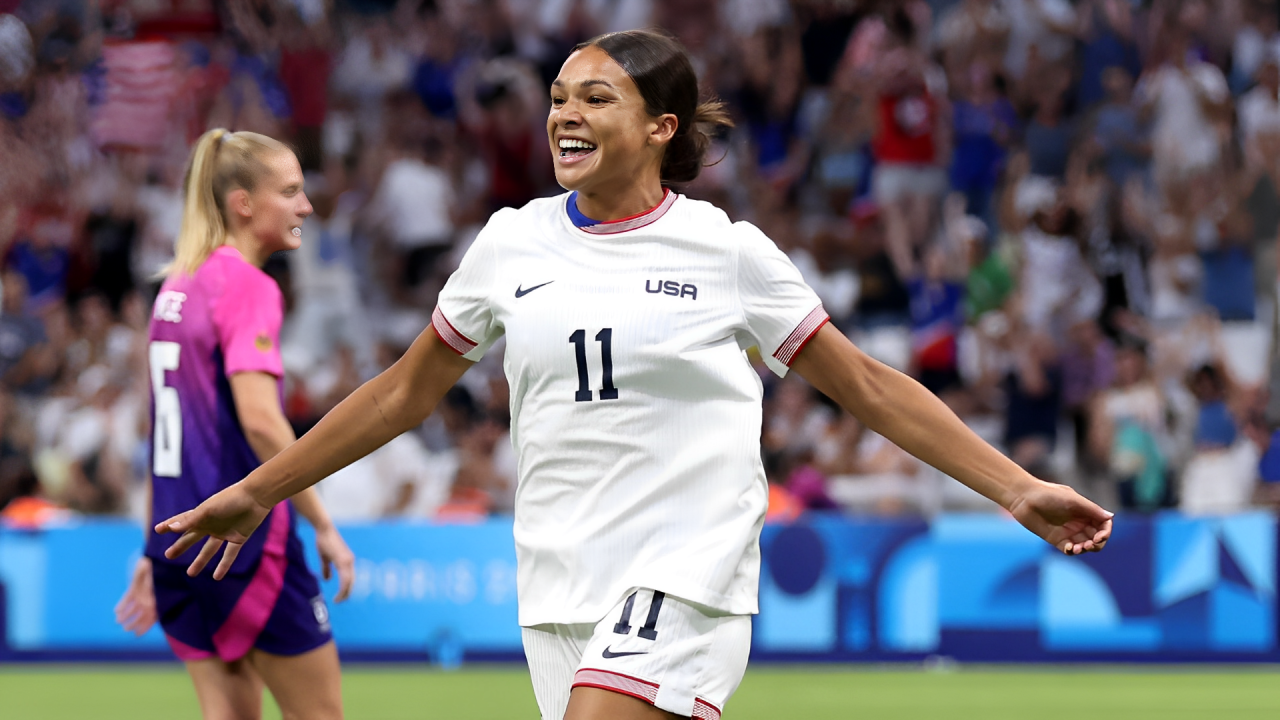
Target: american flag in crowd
(142, 82)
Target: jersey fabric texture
(682, 658)
(636, 413)
(223, 319)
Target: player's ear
(663, 129)
(238, 203)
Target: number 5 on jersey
(607, 390)
(166, 437)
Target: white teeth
(297, 232)
(569, 143)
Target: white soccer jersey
(635, 412)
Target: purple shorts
(275, 606)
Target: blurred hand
(136, 611)
(1063, 518)
(334, 553)
(230, 516)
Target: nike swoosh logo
(521, 292)
(609, 654)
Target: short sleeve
(463, 318)
(247, 319)
(781, 312)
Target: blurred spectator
(22, 505)
(101, 340)
(990, 278)
(1108, 41)
(795, 418)
(24, 357)
(328, 309)
(1254, 43)
(399, 479)
(1259, 109)
(1050, 133)
(1267, 491)
(110, 235)
(828, 268)
(1117, 129)
(1033, 402)
(1128, 433)
(498, 109)
(972, 30)
(770, 100)
(306, 64)
(1041, 32)
(806, 483)
(437, 75)
(1056, 284)
(412, 209)
(910, 141)
(866, 471)
(373, 65)
(1219, 477)
(1186, 97)
(934, 284)
(985, 123)
(42, 255)
(1088, 369)
(1176, 274)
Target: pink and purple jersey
(222, 320)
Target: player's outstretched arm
(268, 431)
(398, 399)
(903, 411)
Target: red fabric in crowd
(907, 126)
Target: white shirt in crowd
(412, 204)
(636, 414)
(1055, 280)
(1033, 24)
(368, 488)
(1183, 137)
(1259, 112)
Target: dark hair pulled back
(660, 68)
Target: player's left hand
(136, 611)
(1065, 519)
(229, 516)
(334, 554)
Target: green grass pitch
(773, 693)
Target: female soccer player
(636, 415)
(216, 413)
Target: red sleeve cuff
(801, 336)
(449, 335)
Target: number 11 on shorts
(649, 630)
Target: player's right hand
(230, 516)
(136, 611)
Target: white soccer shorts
(681, 657)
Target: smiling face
(278, 205)
(602, 139)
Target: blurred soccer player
(216, 415)
(636, 414)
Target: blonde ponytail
(221, 161)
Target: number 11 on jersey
(607, 390)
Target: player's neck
(603, 205)
(251, 251)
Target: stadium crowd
(1061, 217)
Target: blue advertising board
(971, 587)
